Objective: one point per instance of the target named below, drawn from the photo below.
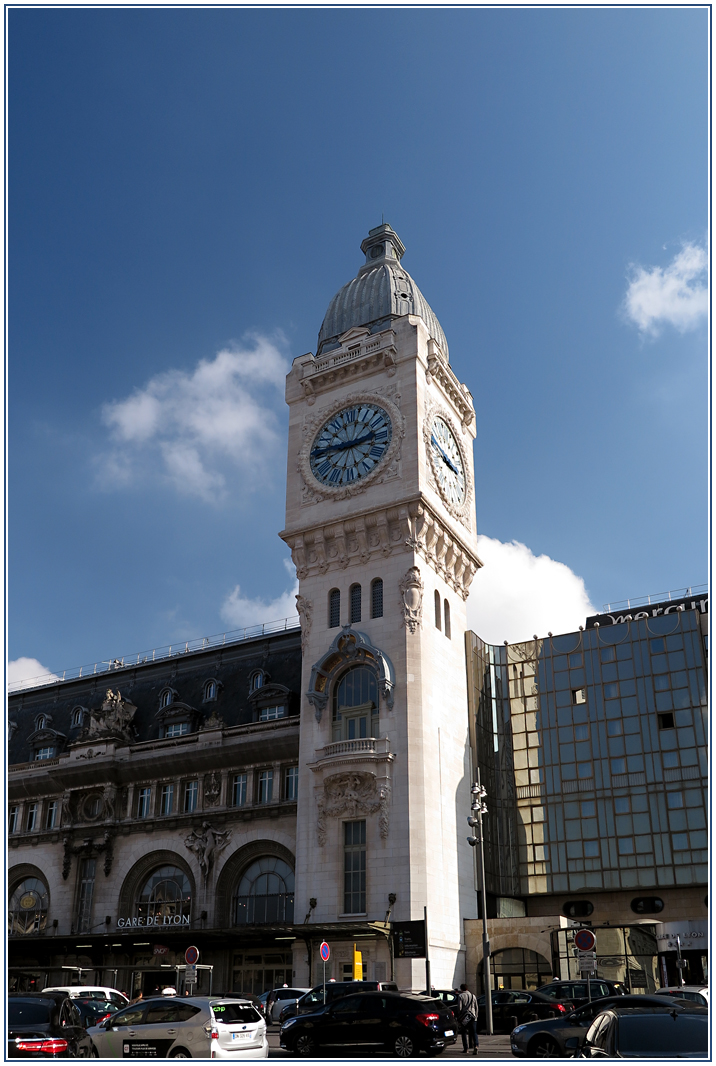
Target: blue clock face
(351, 444)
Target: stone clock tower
(380, 519)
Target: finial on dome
(382, 243)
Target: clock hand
(342, 445)
(445, 457)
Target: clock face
(447, 463)
(350, 444)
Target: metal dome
(381, 288)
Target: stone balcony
(350, 752)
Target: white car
(697, 994)
(91, 992)
(281, 998)
(238, 1032)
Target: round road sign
(325, 951)
(585, 940)
(191, 956)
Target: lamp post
(478, 809)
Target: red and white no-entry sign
(191, 956)
(325, 951)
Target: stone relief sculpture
(214, 721)
(411, 599)
(88, 848)
(66, 815)
(304, 608)
(206, 845)
(353, 794)
(112, 719)
(108, 801)
(212, 788)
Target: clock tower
(380, 520)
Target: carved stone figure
(112, 719)
(206, 845)
(108, 800)
(212, 788)
(304, 608)
(411, 595)
(351, 795)
(88, 848)
(66, 815)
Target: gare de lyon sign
(166, 919)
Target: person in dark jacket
(467, 1010)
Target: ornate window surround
(349, 648)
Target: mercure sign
(648, 610)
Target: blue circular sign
(191, 956)
(585, 940)
(325, 951)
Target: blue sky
(184, 183)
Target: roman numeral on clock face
(350, 444)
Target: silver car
(281, 998)
(191, 1027)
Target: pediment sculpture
(206, 844)
(112, 719)
(353, 794)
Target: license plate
(449, 1032)
(241, 1036)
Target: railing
(370, 745)
(168, 651)
(661, 597)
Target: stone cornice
(438, 370)
(360, 353)
(410, 526)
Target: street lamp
(479, 792)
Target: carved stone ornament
(109, 800)
(411, 599)
(305, 610)
(348, 648)
(463, 512)
(212, 788)
(88, 848)
(112, 719)
(206, 845)
(66, 818)
(388, 467)
(214, 721)
(351, 795)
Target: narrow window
(210, 691)
(265, 786)
(376, 598)
(257, 680)
(12, 819)
(166, 799)
(334, 609)
(291, 783)
(41, 722)
(191, 796)
(438, 624)
(51, 819)
(354, 868)
(238, 790)
(145, 796)
(85, 893)
(77, 717)
(447, 620)
(355, 595)
(166, 698)
(32, 817)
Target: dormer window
(166, 698)
(41, 721)
(78, 717)
(47, 752)
(176, 729)
(211, 690)
(257, 680)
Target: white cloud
(27, 673)
(517, 594)
(197, 429)
(675, 295)
(240, 612)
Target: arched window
(166, 697)
(27, 912)
(355, 704)
(517, 968)
(265, 893)
(78, 717)
(257, 680)
(166, 894)
(40, 721)
(210, 690)
(355, 594)
(447, 620)
(376, 598)
(438, 612)
(334, 609)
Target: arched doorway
(516, 968)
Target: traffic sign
(585, 940)
(190, 974)
(191, 956)
(325, 951)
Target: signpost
(409, 939)
(586, 944)
(191, 957)
(325, 955)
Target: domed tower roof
(382, 288)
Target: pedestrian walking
(467, 1011)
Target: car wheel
(543, 1047)
(305, 1044)
(180, 1053)
(404, 1047)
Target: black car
(573, 994)
(399, 1022)
(45, 1025)
(313, 1000)
(564, 1036)
(648, 1033)
(512, 1006)
(93, 1011)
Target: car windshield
(235, 1012)
(663, 1034)
(28, 1012)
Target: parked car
(313, 999)
(90, 992)
(400, 1022)
(574, 993)
(45, 1026)
(239, 1030)
(94, 1011)
(698, 994)
(512, 1006)
(279, 998)
(564, 1036)
(447, 995)
(648, 1033)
